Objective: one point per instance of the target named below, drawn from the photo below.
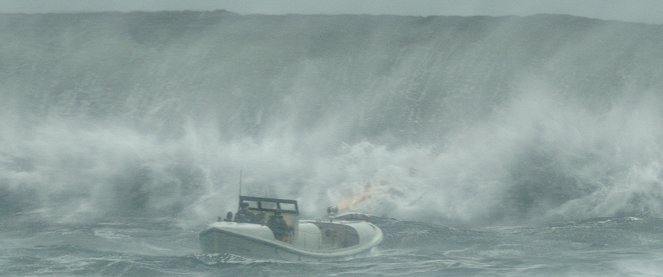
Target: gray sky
(648, 11)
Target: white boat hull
(313, 240)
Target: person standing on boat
(244, 215)
(278, 226)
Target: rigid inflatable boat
(270, 228)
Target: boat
(270, 228)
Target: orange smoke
(382, 190)
(352, 200)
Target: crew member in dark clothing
(244, 215)
(229, 217)
(279, 227)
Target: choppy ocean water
(624, 246)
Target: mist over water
(471, 120)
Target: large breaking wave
(459, 119)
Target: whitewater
(520, 146)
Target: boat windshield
(288, 207)
(252, 204)
(270, 204)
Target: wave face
(474, 120)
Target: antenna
(240, 184)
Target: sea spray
(473, 120)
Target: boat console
(280, 215)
